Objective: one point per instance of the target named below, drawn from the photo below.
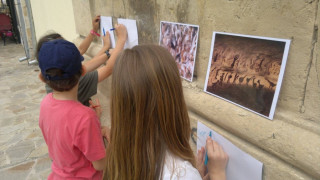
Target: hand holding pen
(217, 160)
(121, 32)
(104, 31)
(106, 41)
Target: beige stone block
(262, 18)
(82, 16)
(309, 108)
(103, 8)
(3, 159)
(92, 50)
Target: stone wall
(289, 146)
(54, 16)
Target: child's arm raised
(101, 57)
(87, 41)
(106, 71)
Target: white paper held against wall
(241, 166)
(132, 30)
(105, 26)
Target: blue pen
(104, 32)
(112, 29)
(206, 158)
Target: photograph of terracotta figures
(181, 41)
(247, 70)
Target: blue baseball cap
(59, 54)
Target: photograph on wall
(247, 70)
(181, 41)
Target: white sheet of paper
(241, 166)
(105, 26)
(132, 30)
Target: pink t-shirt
(72, 133)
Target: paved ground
(23, 152)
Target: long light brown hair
(148, 114)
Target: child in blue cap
(89, 82)
(71, 130)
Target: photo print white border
(195, 53)
(280, 77)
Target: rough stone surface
(21, 141)
(18, 172)
(289, 145)
(20, 151)
(42, 165)
(82, 17)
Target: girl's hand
(200, 162)
(217, 160)
(105, 131)
(106, 41)
(121, 32)
(96, 107)
(96, 23)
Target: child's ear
(84, 70)
(41, 78)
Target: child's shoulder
(84, 117)
(69, 107)
(47, 98)
(82, 109)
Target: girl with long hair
(150, 126)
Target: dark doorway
(9, 28)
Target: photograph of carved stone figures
(247, 70)
(181, 41)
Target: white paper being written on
(105, 26)
(241, 166)
(132, 30)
